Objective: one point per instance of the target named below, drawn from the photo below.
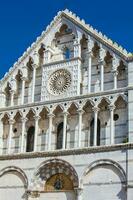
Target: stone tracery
(59, 82)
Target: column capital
(33, 194)
(13, 83)
(24, 78)
(24, 119)
(80, 111)
(90, 53)
(95, 109)
(11, 121)
(111, 107)
(36, 57)
(77, 41)
(37, 117)
(115, 72)
(51, 115)
(115, 63)
(65, 113)
(90, 44)
(34, 66)
(102, 54)
(101, 62)
(12, 92)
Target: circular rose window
(59, 82)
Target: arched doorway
(30, 139)
(59, 143)
(92, 132)
(58, 180)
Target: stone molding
(54, 153)
(100, 95)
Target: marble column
(50, 115)
(112, 136)
(12, 97)
(23, 90)
(101, 64)
(115, 74)
(77, 48)
(65, 114)
(89, 71)
(115, 64)
(95, 110)
(90, 53)
(33, 83)
(11, 122)
(36, 132)
(102, 54)
(23, 120)
(80, 112)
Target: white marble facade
(66, 117)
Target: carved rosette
(59, 82)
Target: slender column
(102, 54)
(95, 109)
(12, 98)
(111, 107)
(102, 75)
(23, 134)
(64, 129)
(50, 115)
(33, 82)
(23, 90)
(36, 132)
(115, 64)
(115, 73)
(80, 112)
(77, 48)
(89, 72)
(90, 47)
(11, 122)
(13, 88)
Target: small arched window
(67, 53)
(30, 139)
(59, 136)
(92, 132)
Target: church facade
(66, 117)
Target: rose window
(59, 82)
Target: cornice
(68, 14)
(54, 153)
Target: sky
(22, 21)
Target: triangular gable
(77, 21)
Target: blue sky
(22, 21)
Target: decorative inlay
(59, 82)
